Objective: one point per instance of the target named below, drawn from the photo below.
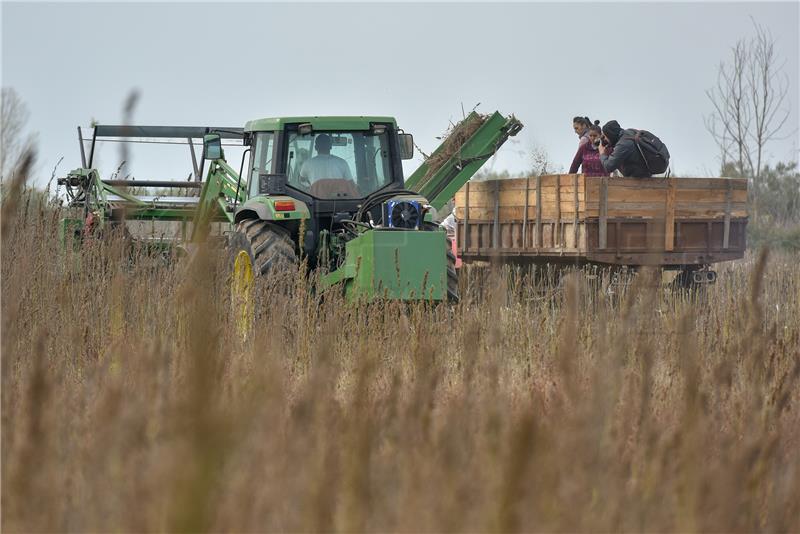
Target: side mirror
(212, 147)
(406, 145)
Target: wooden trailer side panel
(541, 215)
(673, 221)
(694, 198)
(634, 221)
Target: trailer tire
(685, 284)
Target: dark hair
(323, 142)
(613, 131)
(586, 121)
(596, 127)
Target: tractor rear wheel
(257, 248)
(269, 246)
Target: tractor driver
(324, 165)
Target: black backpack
(653, 151)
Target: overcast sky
(647, 65)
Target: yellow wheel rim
(242, 292)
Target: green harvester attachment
(329, 190)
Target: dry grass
(128, 404)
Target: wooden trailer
(675, 223)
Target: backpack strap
(636, 138)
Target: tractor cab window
(333, 165)
(261, 159)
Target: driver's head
(323, 143)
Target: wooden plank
(496, 229)
(516, 213)
(538, 211)
(465, 244)
(704, 184)
(603, 229)
(711, 183)
(518, 198)
(719, 185)
(686, 195)
(697, 195)
(557, 229)
(480, 200)
(577, 207)
(669, 217)
(682, 211)
(525, 219)
(726, 231)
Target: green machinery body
(368, 229)
(404, 265)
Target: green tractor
(327, 190)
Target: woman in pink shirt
(588, 157)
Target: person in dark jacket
(626, 156)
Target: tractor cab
(331, 168)
(330, 162)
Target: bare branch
(748, 102)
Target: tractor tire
(257, 249)
(269, 246)
(452, 274)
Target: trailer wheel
(693, 282)
(257, 249)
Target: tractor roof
(318, 123)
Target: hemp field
(130, 403)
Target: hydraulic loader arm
(222, 191)
(459, 157)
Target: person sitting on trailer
(636, 152)
(581, 127)
(324, 166)
(588, 156)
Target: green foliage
(778, 196)
(761, 234)
(774, 205)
